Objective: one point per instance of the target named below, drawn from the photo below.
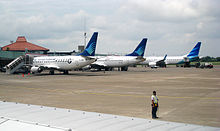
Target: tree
(217, 58)
(209, 59)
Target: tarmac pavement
(186, 95)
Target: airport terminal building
(22, 45)
(19, 48)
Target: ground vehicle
(206, 65)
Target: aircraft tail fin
(195, 50)
(91, 46)
(139, 51)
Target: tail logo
(140, 51)
(91, 48)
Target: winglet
(91, 46)
(165, 57)
(195, 50)
(139, 51)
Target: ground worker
(154, 105)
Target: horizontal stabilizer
(89, 58)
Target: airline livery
(190, 57)
(109, 62)
(66, 63)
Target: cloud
(164, 10)
(172, 26)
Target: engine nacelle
(36, 69)
(152, 64)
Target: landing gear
(125, 68)
(66, 72)
(51, 72)
(186, 64)
(108, 69)
(161, 64)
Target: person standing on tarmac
(154, 105)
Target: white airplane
(66, 63)
(155, 61)
(109, 62)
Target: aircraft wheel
(65, 72)
(51, 72)
(124, 68)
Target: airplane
(190, 57)
(158, 63)
(66, 63)
(109, 62)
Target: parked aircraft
(109, 62)
(66, 63)
(192, 56)
(158, 63)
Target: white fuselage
(117, 61)
(169, 59)
(62, 62)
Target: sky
(172, 27)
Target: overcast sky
(172, 27)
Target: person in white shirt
(154, 105)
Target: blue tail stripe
(91, 46)
(139, 51)
(195, 50)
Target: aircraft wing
(162, 60)
(50, 67)
(159, 63)
(26, 117)
(98, 65)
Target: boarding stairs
(18, 63)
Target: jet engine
(36, 69)
(153, 64)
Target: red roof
(21, 44)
